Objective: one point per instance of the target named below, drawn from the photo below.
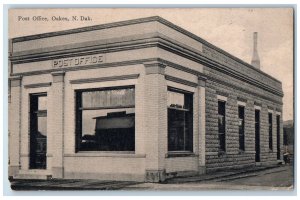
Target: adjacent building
(141, 100)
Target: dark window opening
(257, 135)
(270, 132)
(105, 119)
(38, 131)
(180, 121)
(278, 136)
(222, 125)
(241, 128)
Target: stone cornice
(138, 21)
(157, 40)
(243, 90)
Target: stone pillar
(156, 121)
(56, 115)
(14, 124)
(201, 92)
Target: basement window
(105, 119)
(180, 121)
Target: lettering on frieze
(78, 61)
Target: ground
(260, 178)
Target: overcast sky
(229, 29)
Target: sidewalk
(258, 178)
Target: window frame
(190, 149)
(242, 145)
(35, 113)
(79, 110)
(270, 126)
(222, 147)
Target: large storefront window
(180, 121)
(105, 119)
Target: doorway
(278, 136)
(38, 131)
(257, 135)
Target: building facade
(141, 100)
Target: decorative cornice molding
(181, 81)
(103, 79)
(243, 89)
(38, 85)
(138, 21)
(165, 43)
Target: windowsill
(180, 154)
(121, 154)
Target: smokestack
(255, 59)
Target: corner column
(156, 121)
(14, 124)
(56, 101)
(201, 92)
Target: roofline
(138, 21)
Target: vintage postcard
(142, 99)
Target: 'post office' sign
(78, 61)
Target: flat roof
(137, 21)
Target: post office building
(141, 100)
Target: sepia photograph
(151, 99)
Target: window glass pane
(42, 126)
(221, 125)
(108, 130)
(108, 98)
(89, 119)
(101, 125)
(180, 121)
(42, 103)
(270, 132)
(175, 99)
(241, 111)
(176, 123)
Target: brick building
(137, 100)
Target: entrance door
(257, 135)
(38, 131)
(278, 136)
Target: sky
(230, 29)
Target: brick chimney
(255, 58)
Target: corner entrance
(257, 135)
(38, 131)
